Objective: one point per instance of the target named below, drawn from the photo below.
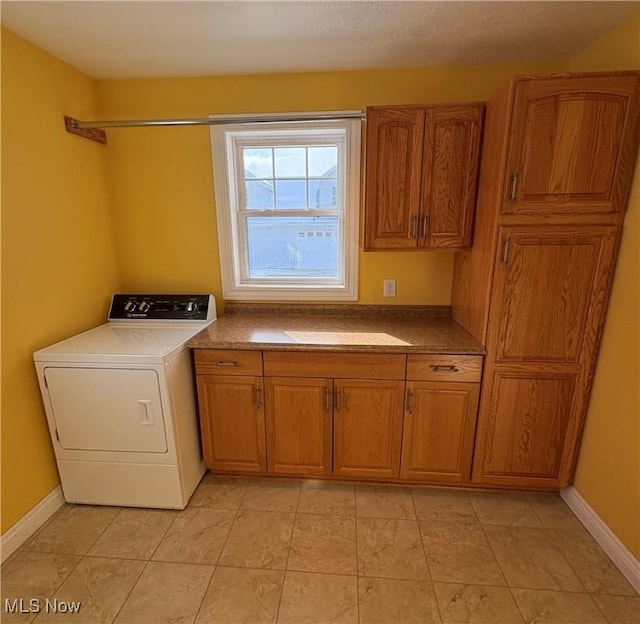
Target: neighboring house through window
(287, 201)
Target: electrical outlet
(389, 288)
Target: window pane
(259, 194)
(258, 162)
(291, 162)
(293, 246)
(323, 193)
(323, 161)
(291, 194)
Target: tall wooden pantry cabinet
(557, 166)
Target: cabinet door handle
(338, 404)
(327, 400)
(449, 368)
(425, 222)
(414, 226)
(226, 363)
(410, 400)
(505, 251)
(258, 396)
(514, 186)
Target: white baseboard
(621, 556)
(22, 530)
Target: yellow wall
(57, 250)
(161, 178)
(608, 475)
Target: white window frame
(236, 284)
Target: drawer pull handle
(441, 368)
(226, 363)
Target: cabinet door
(232, 422)
(393, 169)
(450, 175)
(367, 428)
(438, 433)
(299, 425)
(550, 284)
(574, 142)
(522, 430)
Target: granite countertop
(391, 329)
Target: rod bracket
(93, 134)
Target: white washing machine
(121, 405)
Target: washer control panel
(162, 307)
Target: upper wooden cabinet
(573, 145)
(421, 175)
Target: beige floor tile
(242, 596)
(530, 560)
(323, 497)
(443, 506)
(323, 544)
(219, 492)
(619, 609)
(259, 539)
(31, 575)
(100, 585)
(551, 607)
(553, 512)
(271, 495)
(504, 508)
(386, 601)
(134, 534)
(476, 604)
(459, 553)
(74, 530)
(390, 549)
(196, 536)
(166, 593)
(319, 599)
(593, 567)
(384, 502)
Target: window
(287, 201)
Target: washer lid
(137, 343)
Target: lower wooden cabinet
(367, 424)
(298, 413)
(439, 430)
(232, 423)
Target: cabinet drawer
(228, 362)
(444, 367)
(334, 365)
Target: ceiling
(148, 38)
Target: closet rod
(94, 129)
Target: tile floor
(298, 552)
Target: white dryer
(121, 407)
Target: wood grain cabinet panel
(367, 428)
(421, 176)
(298, 412)
(548, 282)
(523, 433)
(572, 147)
(439, 431)
(232, 423)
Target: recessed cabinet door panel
(450, 175)
(107, 409)
(232, 421)
(439, 428)
(393, 170)
(299, 425)
(523, 428)
(548, 280)
(367, 427)
(573, 146)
